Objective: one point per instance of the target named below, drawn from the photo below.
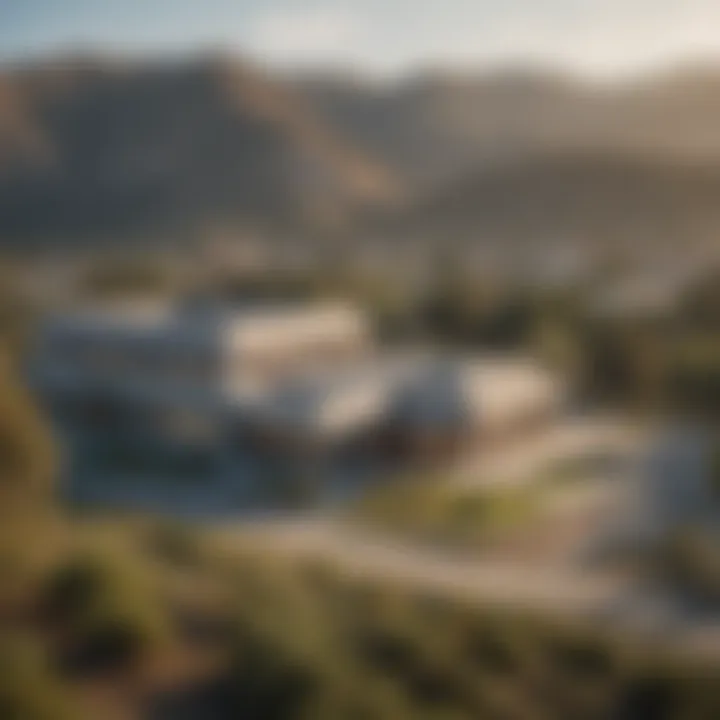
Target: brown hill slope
(437, 126)
(582, 197)
(93, 149)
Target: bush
(29, 690)
(340, 648)
(109, 610)
(431, 511)
(690, 561)
(107, 645)
(176, 544)
(27, 452)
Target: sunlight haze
(602, 37)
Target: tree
(27, 452)
(27, 464)
(29, 690)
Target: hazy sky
(600, 36)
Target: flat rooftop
(146, 318)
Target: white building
(332, 404)
(299, 374)
(414, 405)
(153, 358)
(448, 405)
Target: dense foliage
(314, 643)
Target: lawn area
(434, 509)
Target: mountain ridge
(103, 149)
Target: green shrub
(27, 451)
(29, 690)
(690, 561)
(316, 643)
(176, 544)
(108, 608)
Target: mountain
(434, 127)
(92, 149)
(104, 150)
(599, 199)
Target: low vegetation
(89, 600)
(431, 509)
(435, 512)
(29, 688)
(308, 640)
(689, 562)
(311, 642)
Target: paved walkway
(611, 600)
(571, 437)
(368, 554)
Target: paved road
(572, 437)
(551, 581)
(558, 588)
(367, 554)
(611, 599)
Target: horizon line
(364, 72)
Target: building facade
(282, 378)
(146, 365)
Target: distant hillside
(92, 150)
(434, 127)
(96, 151)
(437, 126)
(582, 197)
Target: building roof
(247, 327)
(455, 391)
(335, 401)
(410, 389)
